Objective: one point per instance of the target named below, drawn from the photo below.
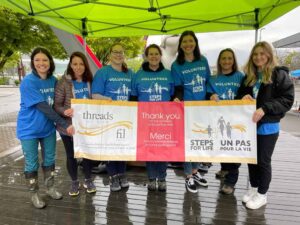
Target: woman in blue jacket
(153, 83)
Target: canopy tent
(106, 18)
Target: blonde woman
(273, 90)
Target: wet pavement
(136, 205)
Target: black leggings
(72, 162)
(261, 174)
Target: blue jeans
(115, 167)
(189, 166)
(30, 151)
(157, 170)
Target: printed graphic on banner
(108, 130)
(160, 131)
(215, 132)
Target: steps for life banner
(198, 131)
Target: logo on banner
(121, 127)
(222, 132)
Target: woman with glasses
(113, 82)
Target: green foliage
(290, 59)
(3, 80)
(135, 64)
(17, 82)
(101, 46)
(21, 34)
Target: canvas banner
(203, 131)
(105, 130)
(220, 131)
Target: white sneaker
(257, 201)
(249, 195)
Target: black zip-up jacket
(275, 98)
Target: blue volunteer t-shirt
(31, 122)
(112, 83)
(225, 87)
(153, 86)
(193, 76)
(80, 89)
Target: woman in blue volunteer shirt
(153, 83)
(35, 124)
(273, 90)
(113, 82)
(191, 73)
(76, 83)
(224, 86)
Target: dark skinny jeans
(72, 165)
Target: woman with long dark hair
(191, 73)
(76, 83)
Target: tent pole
(256, 24)
(84, 33)
(256, 35)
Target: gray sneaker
(74, 189)
(89, 186)
(152, 185)
(162, 185)
(115, 183)
(123, 181)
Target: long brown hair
(87, 75)
(197, 55)
(234, 66)
(251, 69)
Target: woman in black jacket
(273, 90)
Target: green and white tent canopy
(110, 18)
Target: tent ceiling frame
(164, 18)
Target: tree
(100, 46)
(21, 34)
(290, 59)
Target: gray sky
(242, 41)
